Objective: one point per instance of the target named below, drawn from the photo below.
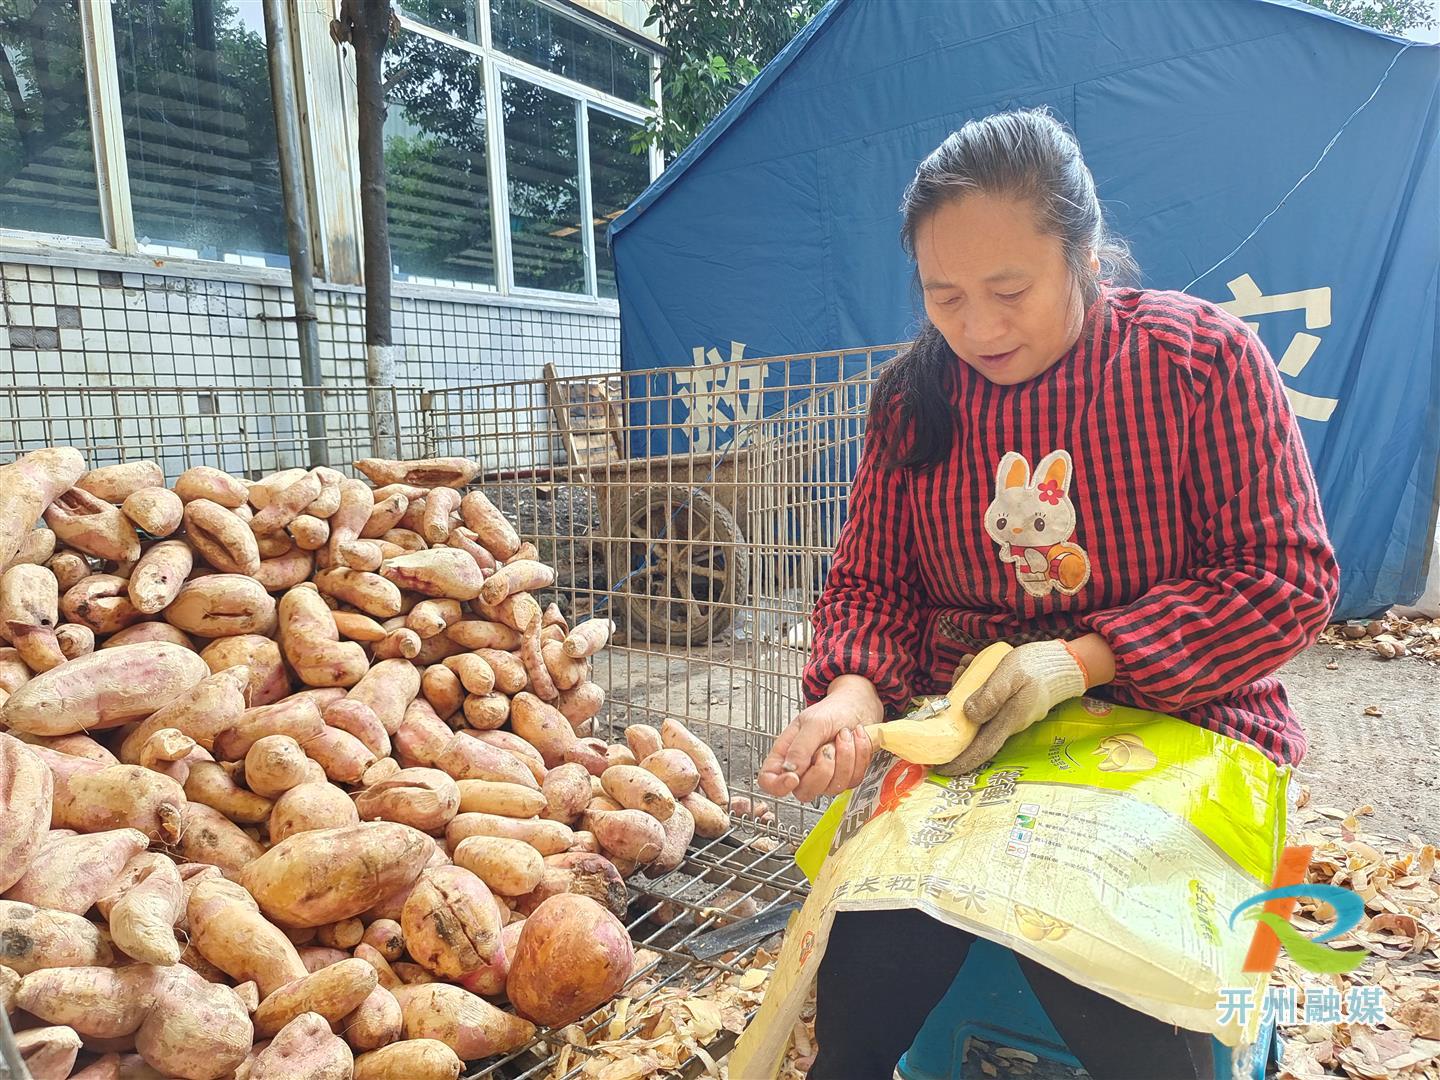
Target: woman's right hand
(825, 749)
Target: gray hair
(1025, 154)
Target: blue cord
(1328, 147)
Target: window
(438, 189)
(454, 17)
(200, 130)
(542, 166)
(617, 177)
(539, 35)
(47, 160)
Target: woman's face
(996, 288)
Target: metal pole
(297, 226)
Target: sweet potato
(209, 783)
(431, 617)
(588, 638)
(26, 789)
(48, 1053)
(572, 956)
(384, 516)
(105, 1067)
(358, 627)
(304, 1049)
(297, 716)
(14, 673)
(85, 523)
(401, 642)
(638, 789)
(310, 533)
(69, 872)
(222, 605)
(221, 537)
(27, 488)
(213, 705)
(584, 842)
(547, 837)
(475, 674)
(145, 633)
(116, 483)
(410, 1059)
(196, 1030)
(676, 736)
(208, 836)
(425, 738)
(567, 671)
(424, 799)
(679, 831)
(326, 875)
(37, 548)
(674, 769)
(454, 472)
(357, 503)
(104, 689)
(385, 936)
(514, 611)
(542, 726)
(451, 922)
(523, 575)
(157, 510)
(312, 644)
(97, 1002)
(507, 800)
(532, 655)
(519, 748)
(388, 688)
(358, 720)
(333, 992)
(630, 834)
(268, 681)
(506, 866)
(583, 873)
(309, 806)
(160, 574)
(69, 568)
(491, 527)
(441, 687)
(567, 790)
(463, 539)
(142, 913)
(101, 602)
(32, 938)
(263, 491)
(711, 821)
(74, 640)
(286, 505)
(466, 1023)
(227, 928)
(204, 482)
(483, 634)
(440, 503)
(485, 712)
(371, 593)
(285, 571)
(375, 1023)
(438, 572)
(92, 797)
(273, 765)
(29, 612)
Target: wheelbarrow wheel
(683, 568)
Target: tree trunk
(368, 23)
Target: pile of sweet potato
(298, 778)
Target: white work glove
(1026, 685)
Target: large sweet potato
(92, 797)
(573, 956)
(104, 689)
(222, 605)
(227, 928)
(26, 788)
(197, 1030)
(29, 612)
(441, 572)
(157, 510)
(101, 602)
(85, 523)
(269, 679)
(312, 644)
(451, 923)
(27, 488)
(214, 704)
(326, 875)
(32, 938)
(424, 799)
(204, 482)
(453, 472)
(310, 806)
(116, 483)
(145, 907)
(221, 537)
(333, 991)
(388, 688)
(69, 873)
(208, 836)
(468, 1024)
(304, 1049)
(99, 1003)
(410, 1059)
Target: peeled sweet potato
(304, 1049)
(222, 605)
(572, 956)
(319, 877)
(102, 690)
(26, 789)
(157, 510)
(32, 938)
(468, 1024)
(27, 488)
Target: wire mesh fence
(697, 507)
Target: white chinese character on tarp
(720, 393)
(1279, 1004)
(1366, 1005)
(1323, 1004)
(1235, 1004)
(1249, 300)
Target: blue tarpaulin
(1258, 153)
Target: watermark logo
(1274, 929)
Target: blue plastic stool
(991, 1000)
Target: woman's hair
(1026, 154)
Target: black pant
(884, 971)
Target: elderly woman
(1110, 479)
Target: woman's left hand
(1027, 684)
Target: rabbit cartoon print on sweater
(1032, 519)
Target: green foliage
(1392, 16)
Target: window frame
(120, 247)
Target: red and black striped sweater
(1151, 487)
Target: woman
(1110, 479)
